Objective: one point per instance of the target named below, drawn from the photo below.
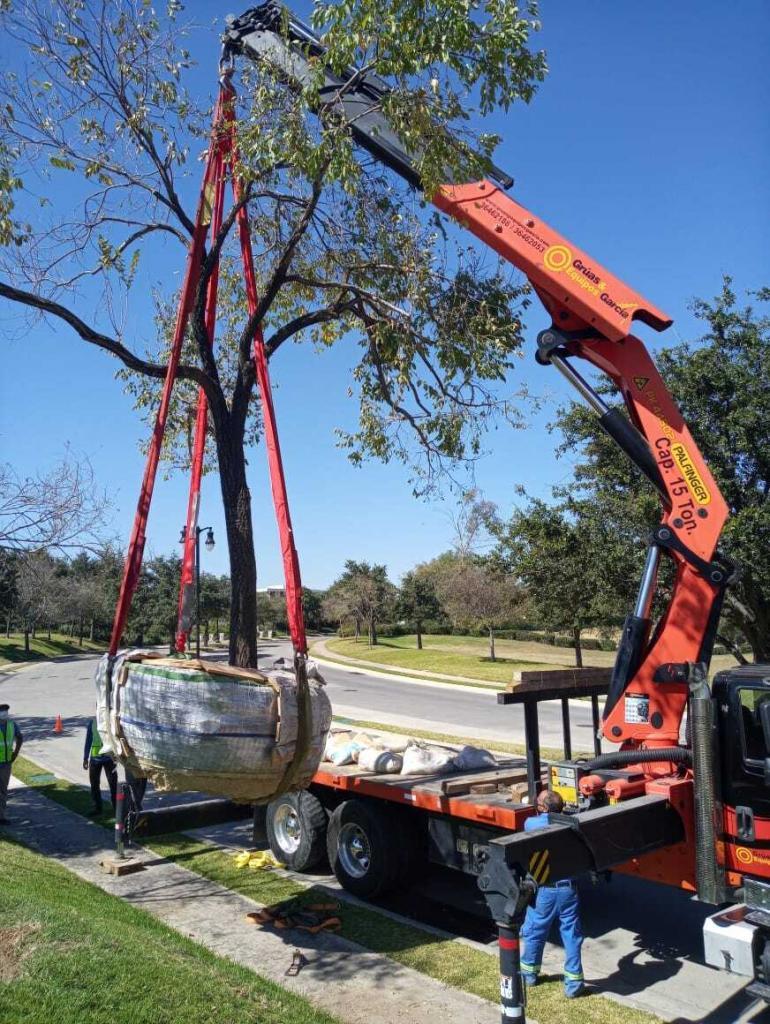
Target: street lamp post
(209, 542)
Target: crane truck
(695, 813)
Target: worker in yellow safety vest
(94, 762)
(11, 740)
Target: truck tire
(296, 830)
(364, 849)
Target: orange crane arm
(592, 314)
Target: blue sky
(647, 145)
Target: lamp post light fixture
(210, 545)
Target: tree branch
(102, 341)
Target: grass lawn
(72, 954)
(452, 962)
(469, 656)
(41, 648)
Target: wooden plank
(558, 679)
(462, 784)
(121, 866)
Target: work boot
(574, 991)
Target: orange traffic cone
(57, 726)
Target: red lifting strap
(221, 153)
(186, 610)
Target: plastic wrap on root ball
(204, 726)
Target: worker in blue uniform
(559, 900)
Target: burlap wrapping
(200, 725)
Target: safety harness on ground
(221, 160)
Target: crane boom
(592, 315)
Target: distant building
(277, 592)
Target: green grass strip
(392, 670)
(445, 959)
(41, 648)
(68, 794)
(73, 954)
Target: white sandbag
(335, 740)
(395, 744)
(199, 725)
(471, 758)
(383, 762)
(346, 753)
(420, 759)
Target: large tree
(721, 383)
(98, 132)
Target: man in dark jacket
(94, 762)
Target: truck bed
(447, 793)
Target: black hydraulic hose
(679, 755)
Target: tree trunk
(80, 631)
(419, 636)
(749, 610)
(34, 631)
(576, 631)
(240, 542)
(91, 631)
(372, 633)
(49, 630)
(358, 630)
(732, 647)
(8, 626)
(26, 640)
(492, 645)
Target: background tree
(312, 608)
(722, 386)
(417, 601)
(363, 594)
(477, 593)
(340, 605)
(154, 619)
(36, 590)
(573, 565)
(8, 586)
(215, 602)
(97, 123)
(59, 511)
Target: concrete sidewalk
(349, 982)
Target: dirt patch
(16, 944)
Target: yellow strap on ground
(257, 860)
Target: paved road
(40, 692)
(643, 941)
(453, 709)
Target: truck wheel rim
(355, 851)
(287, 828)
